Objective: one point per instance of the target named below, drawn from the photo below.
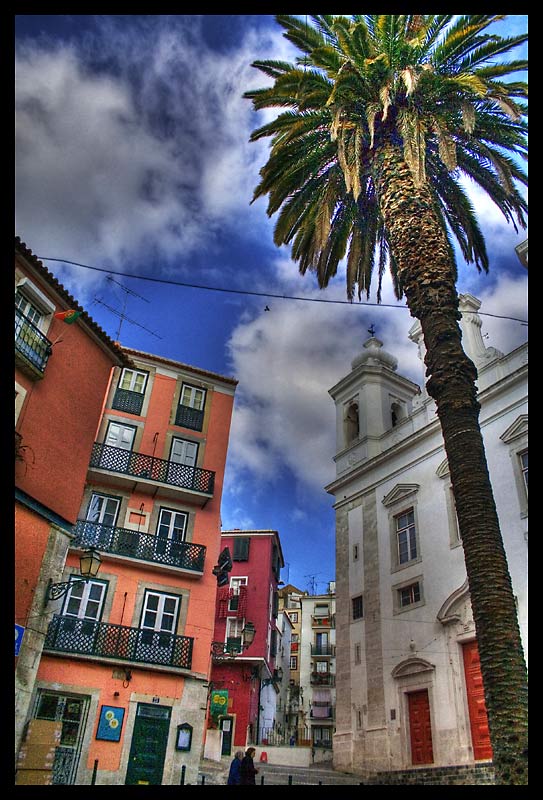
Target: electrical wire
(251, 293)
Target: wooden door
(227, 728)
(148, 747)
(420, 728)
(480, 736)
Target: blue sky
(133, 155)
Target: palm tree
(380, 118)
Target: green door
(148, 749)
(227, 725)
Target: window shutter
(241, 549)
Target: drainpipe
(258, 712)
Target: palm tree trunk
(422, 253)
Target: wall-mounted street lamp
(89, 564)
(232, 648)
(277, 677)
(248, 634)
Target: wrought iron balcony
(323, 622)
(323, 650)
(225, 650)
(188, 417)
(32, 347)
(118, 642)
(141, 546)
(321, 712)
(322, 679)
(126, 400)
(195, 484)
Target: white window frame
(187, 460)
(516, 439)
(398, 588)
(524, 468)
(235, 584)
(171, 526)
(196, 396)
(402, 499)
(100, 513)
(131, 429)
(408, 532)
(78, 601)
(161, 615)
(132, 381)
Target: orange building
(126, 463)
(127, 655)
(61, 374)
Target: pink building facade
(245, 677)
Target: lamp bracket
(57, 590)
(219, 651)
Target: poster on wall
(110, 724)
(219, 702)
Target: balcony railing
(321, 713)
(322, 679)
(323, 649)
(31, 343)
(142, 546)
(118, 642)
(221, 651)
(126, 400)
(323, 622)
(138, 465)
(188, 417)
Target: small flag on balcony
(68, 316)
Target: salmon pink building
(61, 374)
(127, 653)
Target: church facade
(408, 681)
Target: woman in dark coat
(248, 770)
(235, 767)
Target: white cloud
(287, 359)
(151, 158)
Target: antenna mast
(121, 314)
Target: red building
(61, 375)
(244, 675)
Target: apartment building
(62, 372)
(246, 673)
(127, 654)
(290, 603)
(318, 671)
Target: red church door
(420, 728)
(480, 736)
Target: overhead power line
(251, 293)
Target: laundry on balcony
(224, 605)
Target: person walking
(234, 775)
(248, 770)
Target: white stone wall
(419, 648)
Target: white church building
(408, 683)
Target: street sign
(19, 631)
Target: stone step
(275, 774)
(214, 773)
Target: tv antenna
(121, 314)
(312, 583)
